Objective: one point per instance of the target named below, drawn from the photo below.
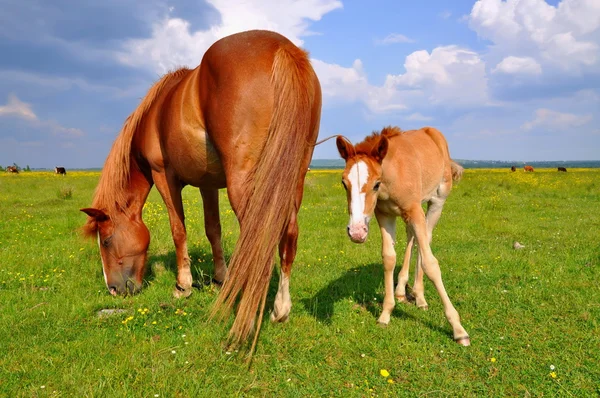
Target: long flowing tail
(457, 170)
(271, 193)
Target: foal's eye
(107, 241)
(376, 186)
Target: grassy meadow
(533, 314)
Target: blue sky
(503, 80)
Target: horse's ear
(96, 214)
(381, 149)
(343, 147)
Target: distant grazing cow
(12, 169)
(562, 169)
(60, 170)
(513, 168)
(528, 168)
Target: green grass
(525, 310)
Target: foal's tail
(457, 170)
(270, 193)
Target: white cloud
(518, 65)
(173, 44)
(393, 38)
(565, 36)
(16, 107)
(554, 120)
(22, 110)
(450, 76)
(418, 117)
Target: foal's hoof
(181, 292)
(382, 324)
(423, 307)
(280, 318)
(403, 299)
(464, 341)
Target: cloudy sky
(503, 80)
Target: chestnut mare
(391, 173)
(528, 168)
(246, 119)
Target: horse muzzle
(358, 232)
(129, 287)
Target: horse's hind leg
(434, 211)
(287, 252)
(400, 292)
(431, 268)
(212, 228)
(170, 190)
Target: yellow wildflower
(384, 373)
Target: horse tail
(270, 193)
(457, 170)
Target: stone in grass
(106, 312)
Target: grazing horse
(12, 169)
(513, 168)
(562, 169)
(391, 173)
(60, 170)
(528, 168)
(245, 119)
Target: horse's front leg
(387, 224)
(287, 253)
(212, 227)
(170, 190)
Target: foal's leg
(170, 190)
(212, 228)
(403, 274)
(387, 224)
(431, 268)
(434, 211)
(287, 253)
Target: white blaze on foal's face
(358, 177)
(361, 200)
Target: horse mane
(368, 144)
(114, 180)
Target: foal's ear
(380, 150)
(344, 147)
(96, 214)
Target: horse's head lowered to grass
(123, 241)
(361, 180)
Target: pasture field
(533, 314)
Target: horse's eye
(376, 187)
(107, 241)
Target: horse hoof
(279, 319)
(423, 307)
(382, 324)
(181, 292)
(402, 299)
(217, 282)
(464, 341)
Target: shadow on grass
(202, 271)
(361, 284)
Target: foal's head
(361, 180)
(123, 240)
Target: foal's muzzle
(358, 232)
